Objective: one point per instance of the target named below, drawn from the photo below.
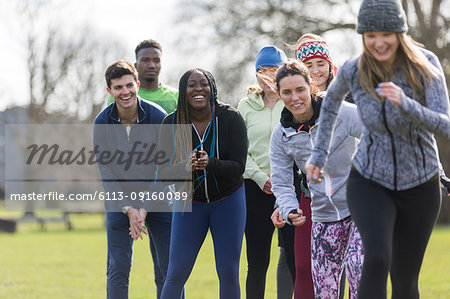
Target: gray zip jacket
(329, 199)
(398, 149)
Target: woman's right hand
(276, 218)
(267, 187)
(297, 219)
(202, 160)
(193, 159)
(313, 172)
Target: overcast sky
(130, 21)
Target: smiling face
(198, 91)
(124, 91)
(382, 45)
(294, 91)
(319, 70)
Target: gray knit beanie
(381, 15)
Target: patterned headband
(314, 49)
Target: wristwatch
(125, 209)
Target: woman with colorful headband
(393, 189)
(313, 51)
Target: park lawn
(57, 263)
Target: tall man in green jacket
(148, 64)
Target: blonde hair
(307, 37)
(409, 60)
(255, 88)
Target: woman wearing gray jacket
(335, 240)
(393, 189)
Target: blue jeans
(120, 251)
(226, 219)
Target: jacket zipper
(329, 193)
(394, 158)
(204, 170)
(368, 154)
(421, 150)
(327, 179)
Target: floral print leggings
(333, 246)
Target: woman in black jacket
(217, 161)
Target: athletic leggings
(226, 219)
(395, 227)
(303, 288)
(286, 263)
(336, 245)
(258, 236)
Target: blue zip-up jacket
(398, 149)
(110, 135)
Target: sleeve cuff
(260, 179)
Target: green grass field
(57, 263)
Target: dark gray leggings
(395, 227)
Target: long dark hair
(295, 67)
(181, 116)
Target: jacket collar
(114, 115)
(255, 101)
(287, 119)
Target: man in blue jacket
(128, 131)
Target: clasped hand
(137, 223)
(199, 160)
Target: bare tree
(65, 65)
(239, 28)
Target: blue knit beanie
(269, 56)
(381, 15)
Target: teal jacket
(260, 121)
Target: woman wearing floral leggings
(335, 240)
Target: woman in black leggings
(395, 227)
(393, 190)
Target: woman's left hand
(202, 160)
(390, 91)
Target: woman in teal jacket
(261, 110)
